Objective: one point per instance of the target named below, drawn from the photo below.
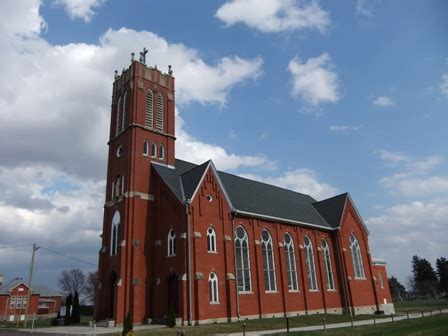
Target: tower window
(122, 184)
(119, 115)
(119, 150)
(114, 233)
(159, 120)
(145, 148)
(291, 269)
(153, 150)
(211, 240)
(125, 111)
(161, 152)
(171, 243)
(213, 287)
(149, 110)
(268, 261)
(327, 261)
(310, 266)
(242, 260)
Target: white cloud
(20, 18)
(80, 9)
(404, 230)
(393, 157)
(314, 81)
(301, 180)
(366, 7)
(444, 85)
(274, 15)
(383, 101)
(344, 128)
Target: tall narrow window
(113, 189)
(380, 280)
(149, 110)
(153, 150)
(211, 240)
(114, 233)
(356, 257)
(161, 152)
(159, 118)
(12, 303)
(19, 302)
(327, 261)
(171, 243)
(25, 302)
(242, 260)
(213, 287)
(268, 261)
(291, 269)
(125, 111)
(146, 148)
(310, 267)
(122, 184)
(119, 115)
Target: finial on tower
(143, 55)
(170, 72)
(116, 74)
(132, 57)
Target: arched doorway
(173, 292)
(112, 282)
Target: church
(212, 246)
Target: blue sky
(320, 97)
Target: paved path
(341, 325)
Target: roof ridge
(330, 198)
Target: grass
(42, 323)
(419, 305)
(428, 326)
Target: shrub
(127, 325)
(171, 317)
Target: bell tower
(141, 134)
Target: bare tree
(71, 281)
(91, 287)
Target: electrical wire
(66, 256)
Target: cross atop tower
(143, 55)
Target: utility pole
(35, 248)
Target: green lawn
(419, 305)
(43, 323)
(427, 326)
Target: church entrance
(112, 282)
(173, 292)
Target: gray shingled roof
(246, 196)
(46, 291)
(7, 286)
(332, 208)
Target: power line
(66, 256)
(16, 246)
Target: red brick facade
(138, 275)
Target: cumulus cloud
(383, 101)
(80, 9)
(304, 181)
(404, 230)
(344, 128)
(444, 85)
(274, 15)
(314, 81)
(366, 7)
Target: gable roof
(247, 197)
(11, 284)
(332, 209)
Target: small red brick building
(212, 245)
(14, 301)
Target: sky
(321, 97)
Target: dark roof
(46, 291)
(246, 196)
(332, 208)
(7, 286)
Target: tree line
(424, 280)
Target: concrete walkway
(342, 325)
(83, 330)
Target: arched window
(153, 150)
(119, 115)
(149, 110)
(213, 287)
(242, 260)
(146, 148)
(171, 243)
(161, 152)
(268, 261)
(114, 234)
(125, 111)
(356, 257)
(380, 280)
(327, 261)
(310, 267)
(211, 240)
(291, 270)
(159, 118)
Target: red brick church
(211, 245)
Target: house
(14, 296)
(214, 246)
